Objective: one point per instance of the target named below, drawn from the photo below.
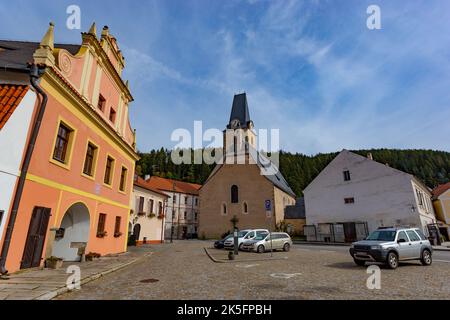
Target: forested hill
(432, 167)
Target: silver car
(243, 235)
(264, 242)
(391, 245)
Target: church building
(240, 187)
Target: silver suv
(391, 245)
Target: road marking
(446, 261)
(326, 251)
(246, 265)
(284, 275)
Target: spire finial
(93, 29)
(48, 39)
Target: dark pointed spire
(239, 111)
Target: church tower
(239, 135)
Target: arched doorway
(75, 225)
(136, 231)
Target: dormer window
(346, 175)
(112, 115)
(101, 103)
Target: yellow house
(441, 203)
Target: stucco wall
(383, 196)
(253, 188)
(13, 138)
(151, 228)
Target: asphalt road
(438, 256)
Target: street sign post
(268, 206)
(236, 242)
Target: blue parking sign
(268, 205)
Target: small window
(101, 224)
(89, 161)
(234, 194)
(150, 205)
(160, 207)
(112, 115)
(224, 208)
(117, 226)
(101, 103)
(245, 207)
(141, 205)
(123, 179)
(196, 201)
(1, 216)
(412, 235)
(109, 170)
(60, 153)
(174, 199)
(185, 215)
(185, 200)
(349, 200)
(347, 175)
(195, 216)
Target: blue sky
(310, 68)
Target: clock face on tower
(235, 123)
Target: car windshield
(242, 234)
(382, 236)
(228, 237)
(260, 236)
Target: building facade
(355, 195)
(441, 203)
(147, 220)
(182, 210)
(77, 192)
(241, 189)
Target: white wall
(383, 196)
(151, 228)
(12, 144)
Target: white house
(17, 102)
(147, 219)
(355, 195)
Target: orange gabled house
(78, 180)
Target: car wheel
(240, 246)
(392, 260)
(360, 263)
(261, 248)
(286, 247)
(426, 258)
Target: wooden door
(349, 231)
(37, 231)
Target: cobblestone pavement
(184, 271)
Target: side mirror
(401, 240)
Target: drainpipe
(35, 74)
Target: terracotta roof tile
(144, 184)
(174, 185)
(440, 189)
(10, 97)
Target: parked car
(264, 242)
(391, 245)
(243, 235)
(219, 243)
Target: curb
(240, 261)
(53, 294)
(322, 243)
(440, 249)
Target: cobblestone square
(183, 270)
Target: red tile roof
(440, 189)
(144, 184)
(10, 97)
(174, 185)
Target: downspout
(35, 74)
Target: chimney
(369, 156)
(147, 176)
